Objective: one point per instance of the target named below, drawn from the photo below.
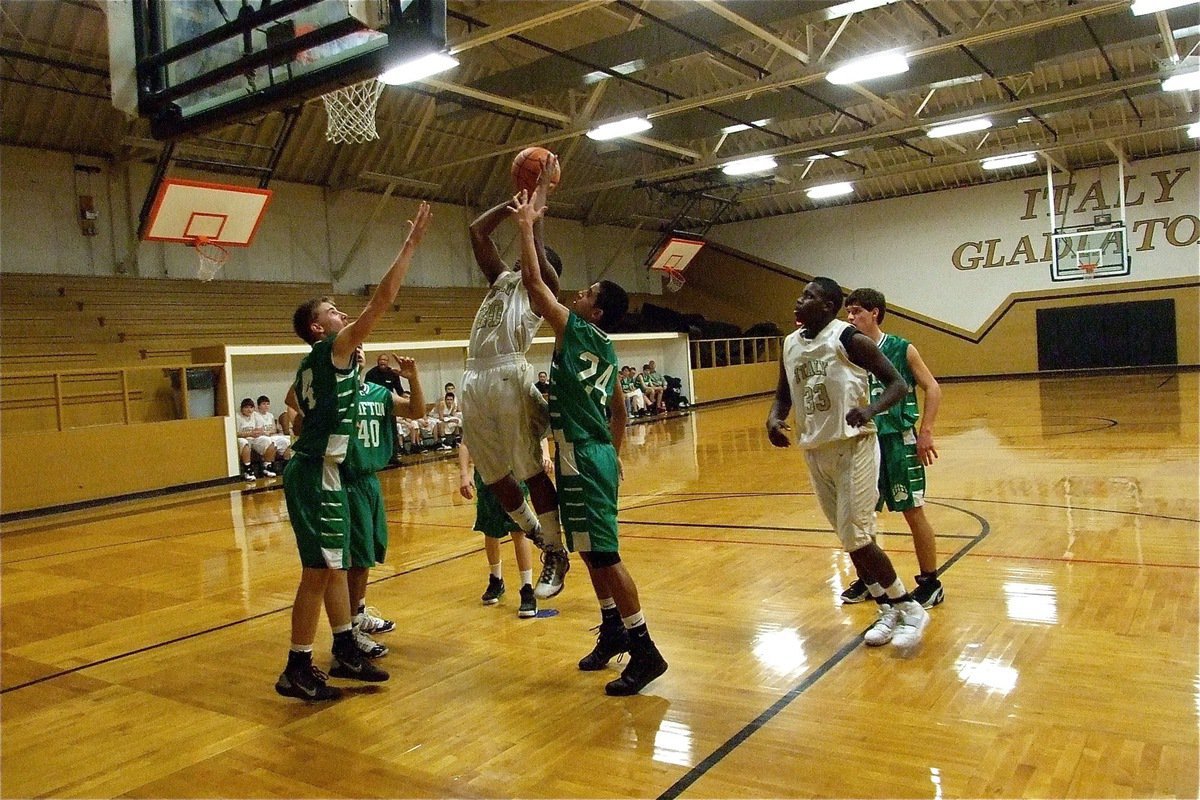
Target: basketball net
(212, 257)
(351, 112)
(1088, 269)
(674, 278)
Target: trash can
(201, 392)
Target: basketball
(527, 167)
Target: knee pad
(600, 560)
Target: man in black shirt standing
(385, 375)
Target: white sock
(495, 569)
(527, 577)
(301, 648)
(633, 620)
(607, 603)
(876, 590)
(342, 628)
(524, 517)
(896, 590)
(551, 528)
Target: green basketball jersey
(627, 385)
(374, 440)
(326, 395)
(583, 374)
(903, 415)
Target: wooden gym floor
(141, 640)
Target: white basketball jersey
(825, 385)
(505, 323)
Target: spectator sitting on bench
(635, 401)
(448, 414)
(653, 393)
(250, 437)
(272, 429)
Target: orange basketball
(527, 167)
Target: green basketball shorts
(587, 495)
(368, 521)
(317, 507)
(901, 474)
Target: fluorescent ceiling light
(954, 128)
(1012, 160)
(743, 127)
(1193, 130)
(418, 69)
(868, 67)
(819, 156)
(1182, 82)
(615, 130)
(1190, 30)
(853, 7)
(627, 68)
(1141, 7)
(747, 165)
(830, 190)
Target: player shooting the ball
(583, 385)
(500, 410)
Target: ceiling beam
(754, 29)
(496, 32)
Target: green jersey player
(371, 447)
(324, 392)
(587, 415)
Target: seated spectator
(250, 436)
(448, 414)
(659, 383)
(653, 393)
(543, 385)
(635, 401)
(384, 374)
(272, 429)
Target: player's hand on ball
(547, 181)
(777, 433)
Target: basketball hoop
(1088, 269)
(674, 277)
(212, 257)
(351, 112)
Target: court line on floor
(221, 627)
(749, 729)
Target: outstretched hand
(525, 209)
(546, 181)
(407, 367)
(419, 224)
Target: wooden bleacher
(76, 321)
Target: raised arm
(777, 426)
(926, 452)
(355, 333)
(539, 199)
(541, 299)
(864, 353)
(407, 368)
(486, 254)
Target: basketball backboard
(1090, 251)
(676, 253)
(203, 63)
(188, 211)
